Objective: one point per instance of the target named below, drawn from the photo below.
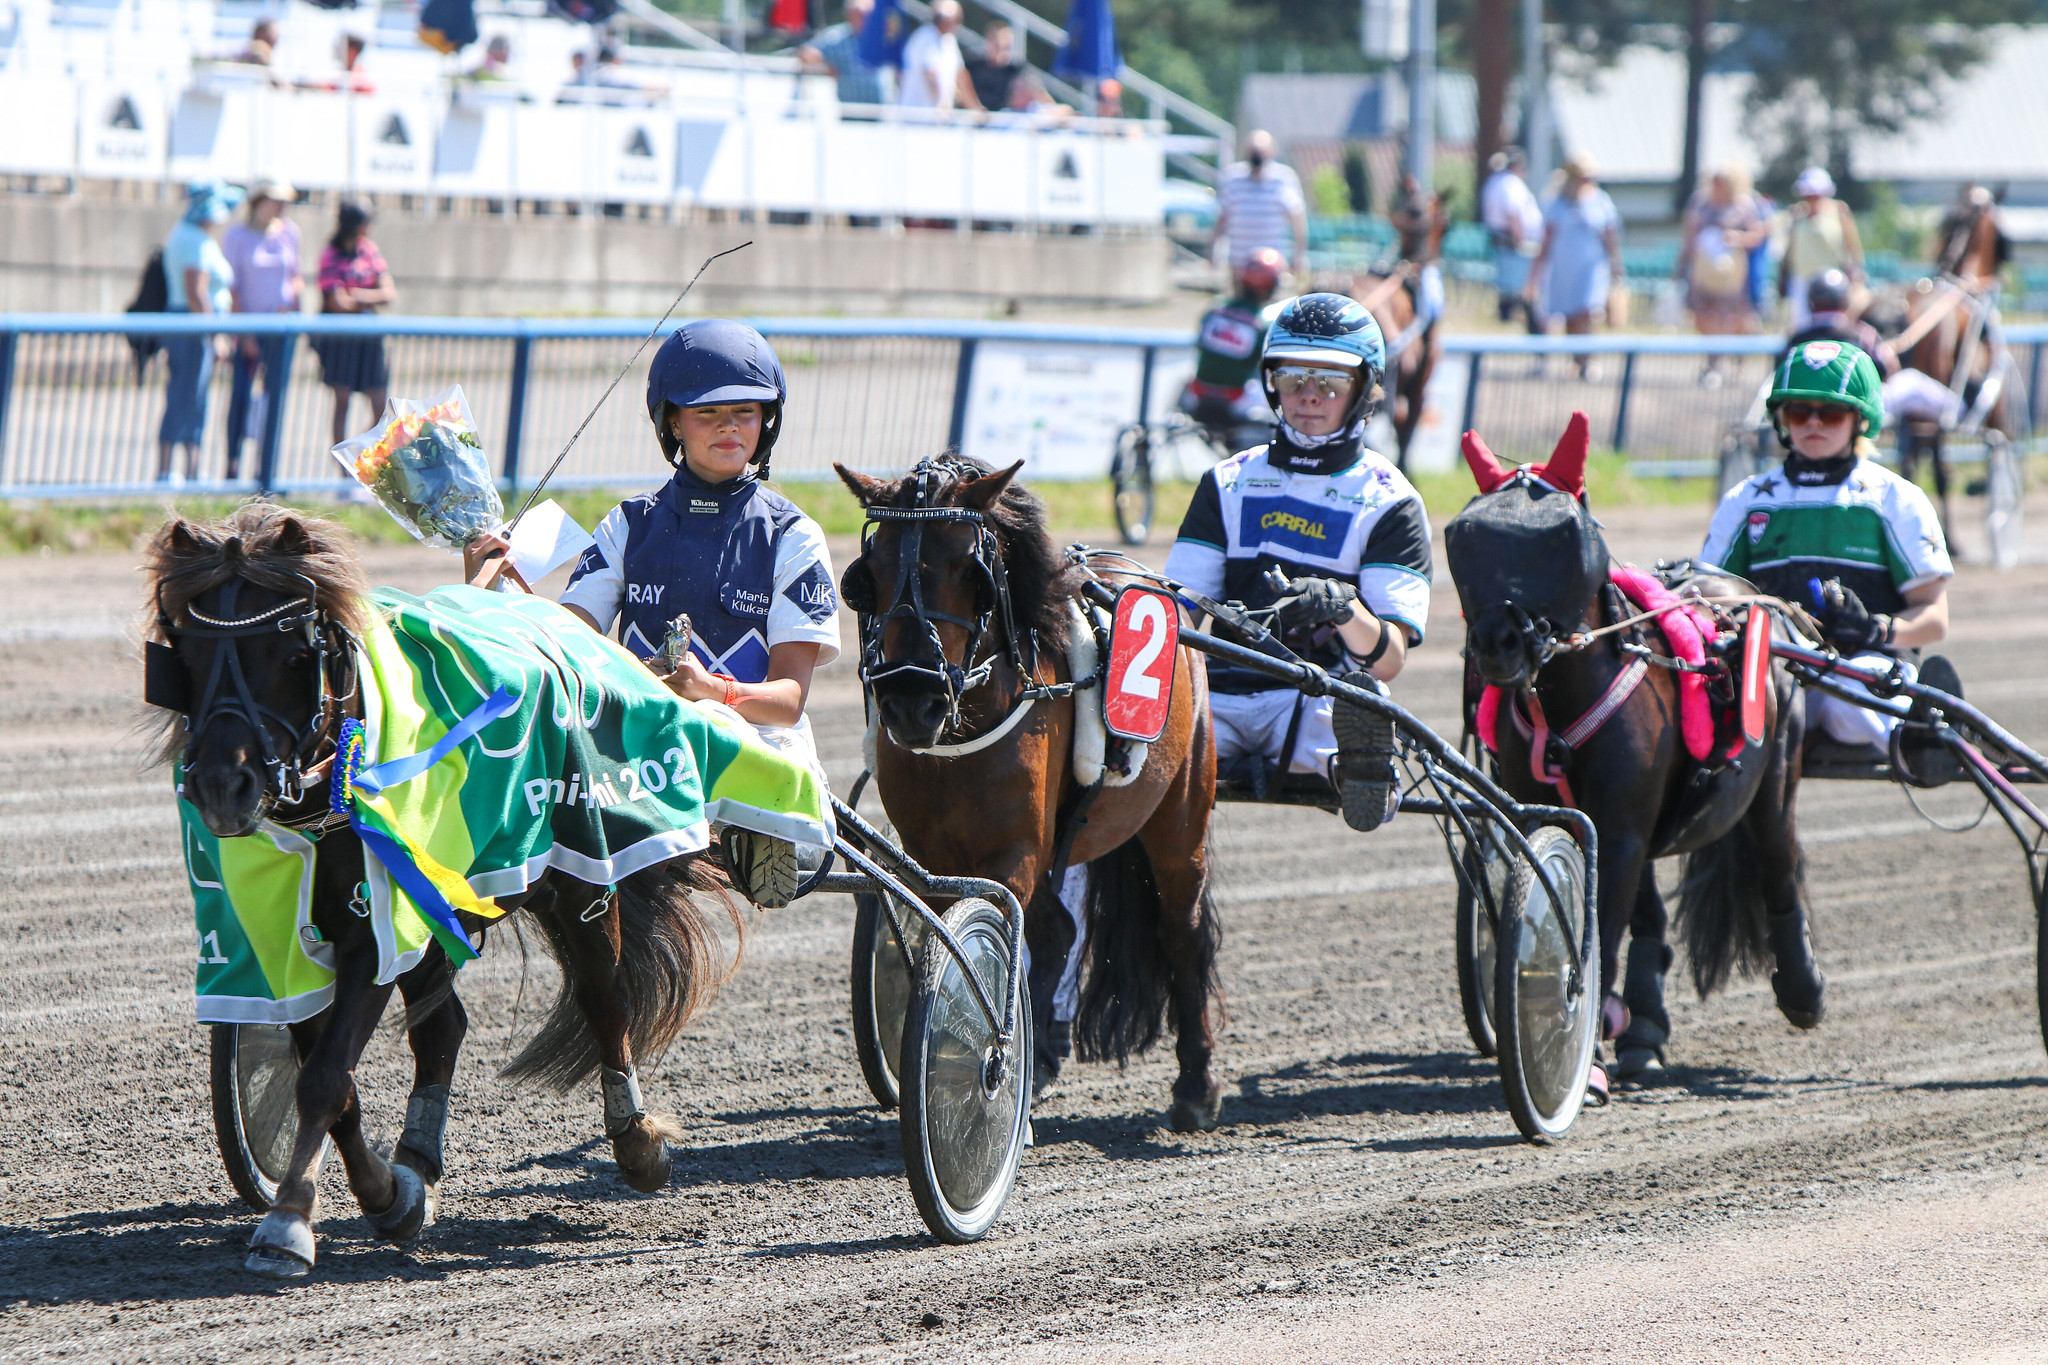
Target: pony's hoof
(408, 1212)
(643, 1158)
(1803, 1003)
(281, 1247)
(1198, 1116)
(651, 1179)
(1638, 1065)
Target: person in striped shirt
(1259, 205)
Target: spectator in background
(1109, 98)
(497, 62)
(1259, 205)
(353, 76)
(353, 279)
(1514, 221)
(998, 79)
(1580, 259)
(1722, 227)
(931, 61)
(262, 48)
(1820, 235)
(197, 279)
(835, 51)
(264, 254)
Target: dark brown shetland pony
(959, 575)
(1532, 572)
(263, 610)
(1392, 300)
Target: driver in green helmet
(1856, 545)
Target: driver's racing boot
(1639, 1051)
(1797, 982)
(760, 865)
(1926, 761)
(1368, 791)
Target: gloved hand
(1312, 602)
(1850, 626)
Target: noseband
(906, 598)
(167, 684)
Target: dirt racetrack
(1874, 1190)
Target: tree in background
(1824, 68)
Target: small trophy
(675, 643)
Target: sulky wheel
(1130, 477)
(1547, 1030)
(255, 1106)
(966, 1099)
(1489, 863)
(2041, 959)
(881, 991)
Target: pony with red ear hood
(1585, 708)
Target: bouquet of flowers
(424, 463)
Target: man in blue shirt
(836, 52)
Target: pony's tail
(1721, 912)
(1129, 999)
(670, 965)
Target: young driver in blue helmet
(1351, 537)
(715, 542)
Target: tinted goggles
(1290, 380)
(1827, 414)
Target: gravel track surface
(1875, 1189)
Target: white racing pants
(1912, 394)
(1846, 722)
(1256, 723)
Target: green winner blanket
(500, 737)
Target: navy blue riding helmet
(711, 361)
(1331, 329)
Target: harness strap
(1579, 731)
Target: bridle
(906, 599)
(166, 683)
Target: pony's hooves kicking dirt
(408, 1213)
(1200, 1115)
(282, 1247)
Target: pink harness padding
(1685, 629)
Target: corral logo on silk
(649, 593)
(1293, 524)
(1758, 523)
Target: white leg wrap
(1066, 1000)
(621, 1100)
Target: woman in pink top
(353, 279)
(264, 253)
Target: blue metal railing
(77, 420)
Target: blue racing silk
(747, 565)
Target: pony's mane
(1041, 580)
(264, 544)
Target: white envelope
(545, 539)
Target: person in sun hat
(197, 279)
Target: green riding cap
(1829, 372)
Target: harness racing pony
(1948, 315)
(966, 609)
(1599, 721)
(1392, 299)
(264, 614)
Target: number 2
(1148, 615)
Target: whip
(623, 370)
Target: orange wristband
(732, 689)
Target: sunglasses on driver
(1292, 379)
(1827, 414)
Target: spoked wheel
(255, 1106)
(1130, 476)
(966, 1098)
(881, 991)
(2005, 494)
(1485, 863)
(1547, 1030)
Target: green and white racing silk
(1873, 530)
(501, 737)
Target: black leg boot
(1798, 984)
(1639, 1052)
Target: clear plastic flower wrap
(425, 464)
